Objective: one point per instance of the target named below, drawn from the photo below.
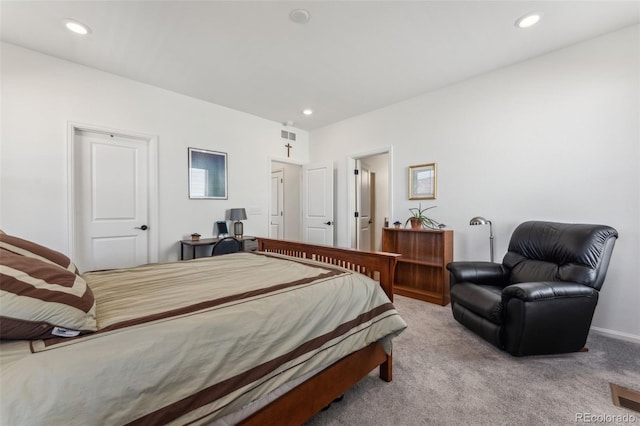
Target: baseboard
(616, 334)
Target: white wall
(41, 94)
(553, 138)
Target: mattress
(191, 342)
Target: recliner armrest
(540, 290)
(484, 273)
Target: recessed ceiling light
(307, 111)
(528, 20)
(299, 16)
(76, 27)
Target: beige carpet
(445, 375)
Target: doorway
(370, 193)
(308, 200)
(276, 210)
(365, 205)
(113, 198)
(285, 202)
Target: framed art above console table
(423, 182)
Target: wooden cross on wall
(288, 146)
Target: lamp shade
(238, 214)
(479, 221)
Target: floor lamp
(482, 221)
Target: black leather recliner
(541, 299)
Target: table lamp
(237, 215)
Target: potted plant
(418, 218)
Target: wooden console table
(246, 244)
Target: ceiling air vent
(287, 135)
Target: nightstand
(249, 243)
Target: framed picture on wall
(207, 174)
(422, 182)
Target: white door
(276, 221)
(317, 203)
(111, 201)
(363, 206)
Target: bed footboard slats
(379, 266)
(287, 252)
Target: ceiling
(350, 58)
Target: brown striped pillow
(42, 300)
(31, 249)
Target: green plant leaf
(419, 213)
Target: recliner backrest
(550, 251)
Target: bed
(247, 338)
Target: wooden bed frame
(302, 402)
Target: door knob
(143, 227)
(328, 223)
